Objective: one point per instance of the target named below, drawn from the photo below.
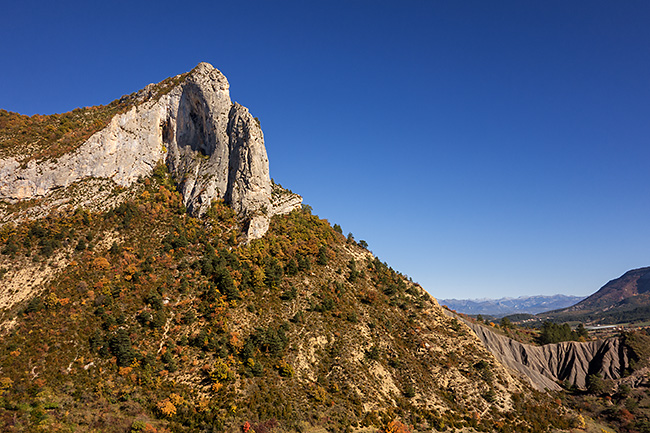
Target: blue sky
(485, 149)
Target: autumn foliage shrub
(395, 426)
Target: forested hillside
(158, 321)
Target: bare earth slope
(547, 365)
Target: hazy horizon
(513, 297)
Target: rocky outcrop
(249, 186)
(546, 366)
(284, 201)
(214, 149)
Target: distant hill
(507, 306)
(624, 299)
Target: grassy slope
(177, 328)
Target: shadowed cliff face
(547, 365)
(218, 152)
(248, 171)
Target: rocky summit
(214, 149)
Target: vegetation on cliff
(44, 137)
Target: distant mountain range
(507, 306)
(623, 300)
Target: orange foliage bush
(166, 408)
(101, 263)
(395, 426)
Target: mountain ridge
(147, 317)
(632, 283)
(623, 299)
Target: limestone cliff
(547, 365)
(213, 147)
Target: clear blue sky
(485, 149)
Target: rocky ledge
(214, 149)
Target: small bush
(289, 295)
(322, 255)
(285, 369)
(373, 353)
(120, 346)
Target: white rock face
(127, 148)
(283, 201)
(213, 147)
